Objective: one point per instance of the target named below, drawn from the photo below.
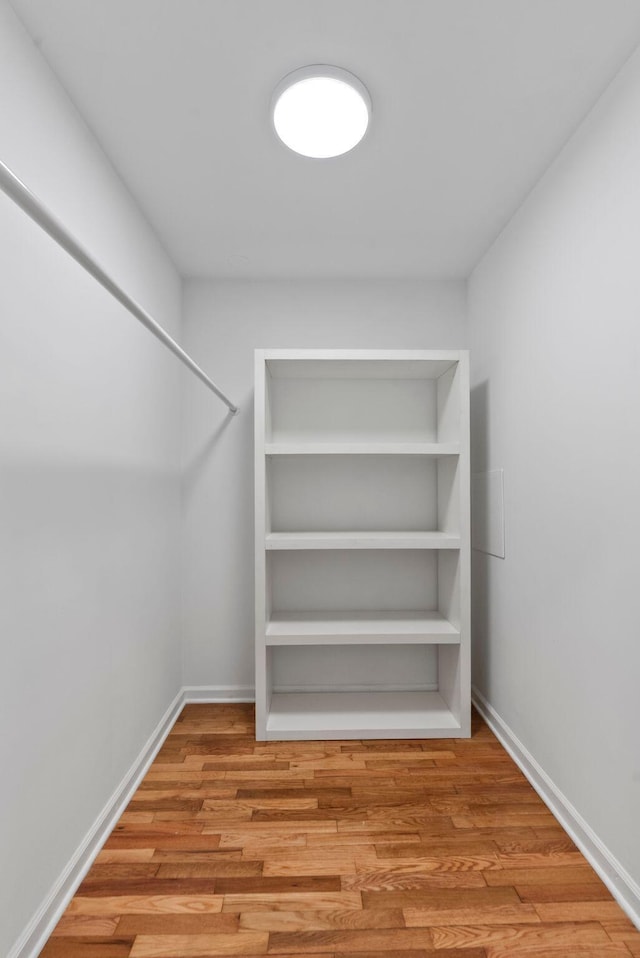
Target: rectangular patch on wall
(487, 512)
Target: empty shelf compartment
(336, 715)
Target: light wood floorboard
(337, 850)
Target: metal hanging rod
(38, 212)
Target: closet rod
(38, 212)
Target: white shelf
(361, 540)
(354, 364)
(298, 448)
(360, 628)
(336, 715)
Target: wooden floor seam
(346, 849)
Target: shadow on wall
(480, 561)
(197, 465)
(218, 572)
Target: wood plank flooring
(338, 850)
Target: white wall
(555, 339)
(224, 323)
(89, 501)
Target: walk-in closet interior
(319, 405)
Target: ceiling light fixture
(321, 111)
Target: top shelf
(359, 364)
(298, 448)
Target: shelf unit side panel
(464, 468)
(450, 678)
(448, 494)
(449, 598)
(262, 613)
(448, 402)
(454, 666)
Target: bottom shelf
(338, 715)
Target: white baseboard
(218, 693)
(44, 921)
(35, 935)
(622, 886)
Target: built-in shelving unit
(362, 544)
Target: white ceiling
(471, 101)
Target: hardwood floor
(358, 849)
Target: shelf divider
(361, 540)
(420, 627)
(299, 448)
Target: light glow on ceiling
(321, 111)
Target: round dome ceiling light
(321, 111)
